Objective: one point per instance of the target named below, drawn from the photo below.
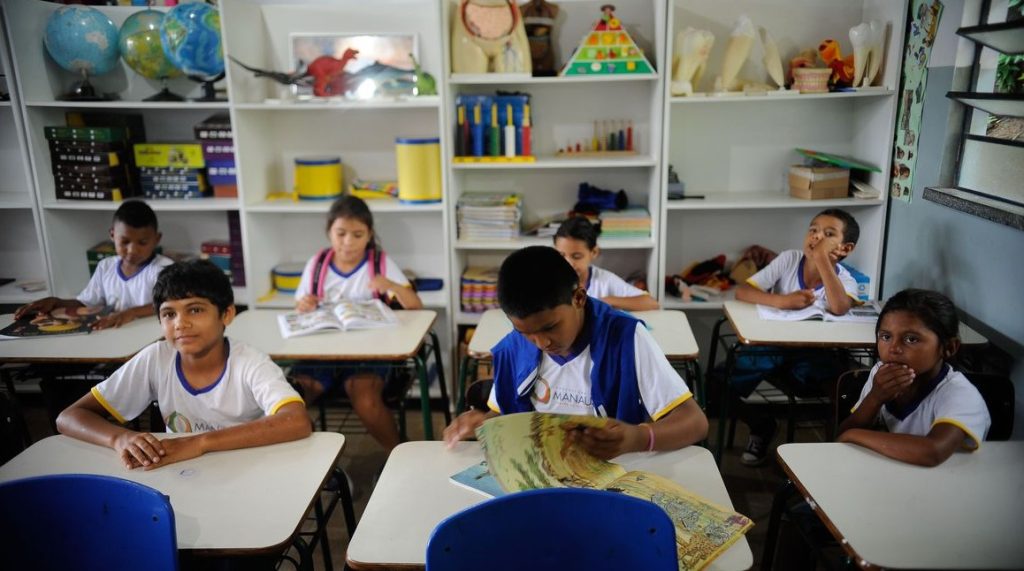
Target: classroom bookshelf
(735, 150)
(732, 150)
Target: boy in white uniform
(571, 353)
(226, 394)
(794, 280)
(125, 282)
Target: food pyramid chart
(606, 50)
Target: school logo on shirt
(542, 391)
(177, 422)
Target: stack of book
(218, 141)
(479, 289)
(628, 223)
(218, 252)
(90, 162)
(235, 243)
(489, 215)
(171, 170)
(104, 249)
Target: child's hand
(613, 439)
(139, 449)
(827, 251)
(797, 300)
(464, 426)
(113, 320)
(178, 450)
(40, 306)
(891, 380)
(381, 284)
(307, 303)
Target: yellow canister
(286, 276)
(318, 178)
(419, 169)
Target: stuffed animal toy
(842, 68)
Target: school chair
(555, 528)
(82, 521)
(998, 392)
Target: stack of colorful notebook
(171, 170)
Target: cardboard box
(814, 183)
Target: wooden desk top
(250, 500)
(752, 330)
(670, 329)
(105, 346)
(414, 494)
(258, 327)
(962, 514)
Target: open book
(61, 321)
(866, 313)
(530, 450)
(344, 316)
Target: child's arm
(85, 420)
(307, 303)
(681, 427)
(825, 257)
(632, 303)
(796, 300)
(45, 305)
(931, 450)
(290, 422)
(464, 426)
(119, 318)
(405, 294)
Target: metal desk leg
(784, 493)
(321, 535)
(305, 553)
(421, 371)
(725, 396)
(468, 364)
(441, 379)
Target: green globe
(141, 48)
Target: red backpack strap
(377, 267)
(320, 270)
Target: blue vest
(613, 383)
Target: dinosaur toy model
(325, 74)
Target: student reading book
(534, 450)
(866, 313)
(343, 315)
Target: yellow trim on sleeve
(671, 406)
(960, 425)
(113, 411)
(288, 400)
(750, 282)
(493, 406)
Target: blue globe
(190, 34)
(81, 39)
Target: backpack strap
(377, 263)
(320, 271)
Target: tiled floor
(751, 489)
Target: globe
(141, 47)
(190, 34)
(81, 40)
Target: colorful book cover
(530, 450)
(478, 479)
(62, 321)
(174, 155)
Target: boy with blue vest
(574, 354)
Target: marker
(478, 132)
(510, 133)
(629, 137)
(494, 140)
(460, 132)
(524, 138)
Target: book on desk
(341, 316)
(865, 313)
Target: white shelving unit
(21, 240)
(272, 129)
(735, 150)
(564, 109)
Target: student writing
(929, 408)
(571, 353)
(224, 394)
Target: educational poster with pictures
(356, 66)
(924, 25)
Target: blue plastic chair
(79, 521)
(555, 528)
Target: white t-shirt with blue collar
(109, 287)
(785, 274)
(353, 285)
(250, 387)
(602, 283)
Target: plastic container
(318, 178)
(286, 276)
(419, 169)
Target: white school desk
(963, 514)
(105, 346)
(414, 494)
(751, 330)
(398, 344)
(245, 501)
(670, 329)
